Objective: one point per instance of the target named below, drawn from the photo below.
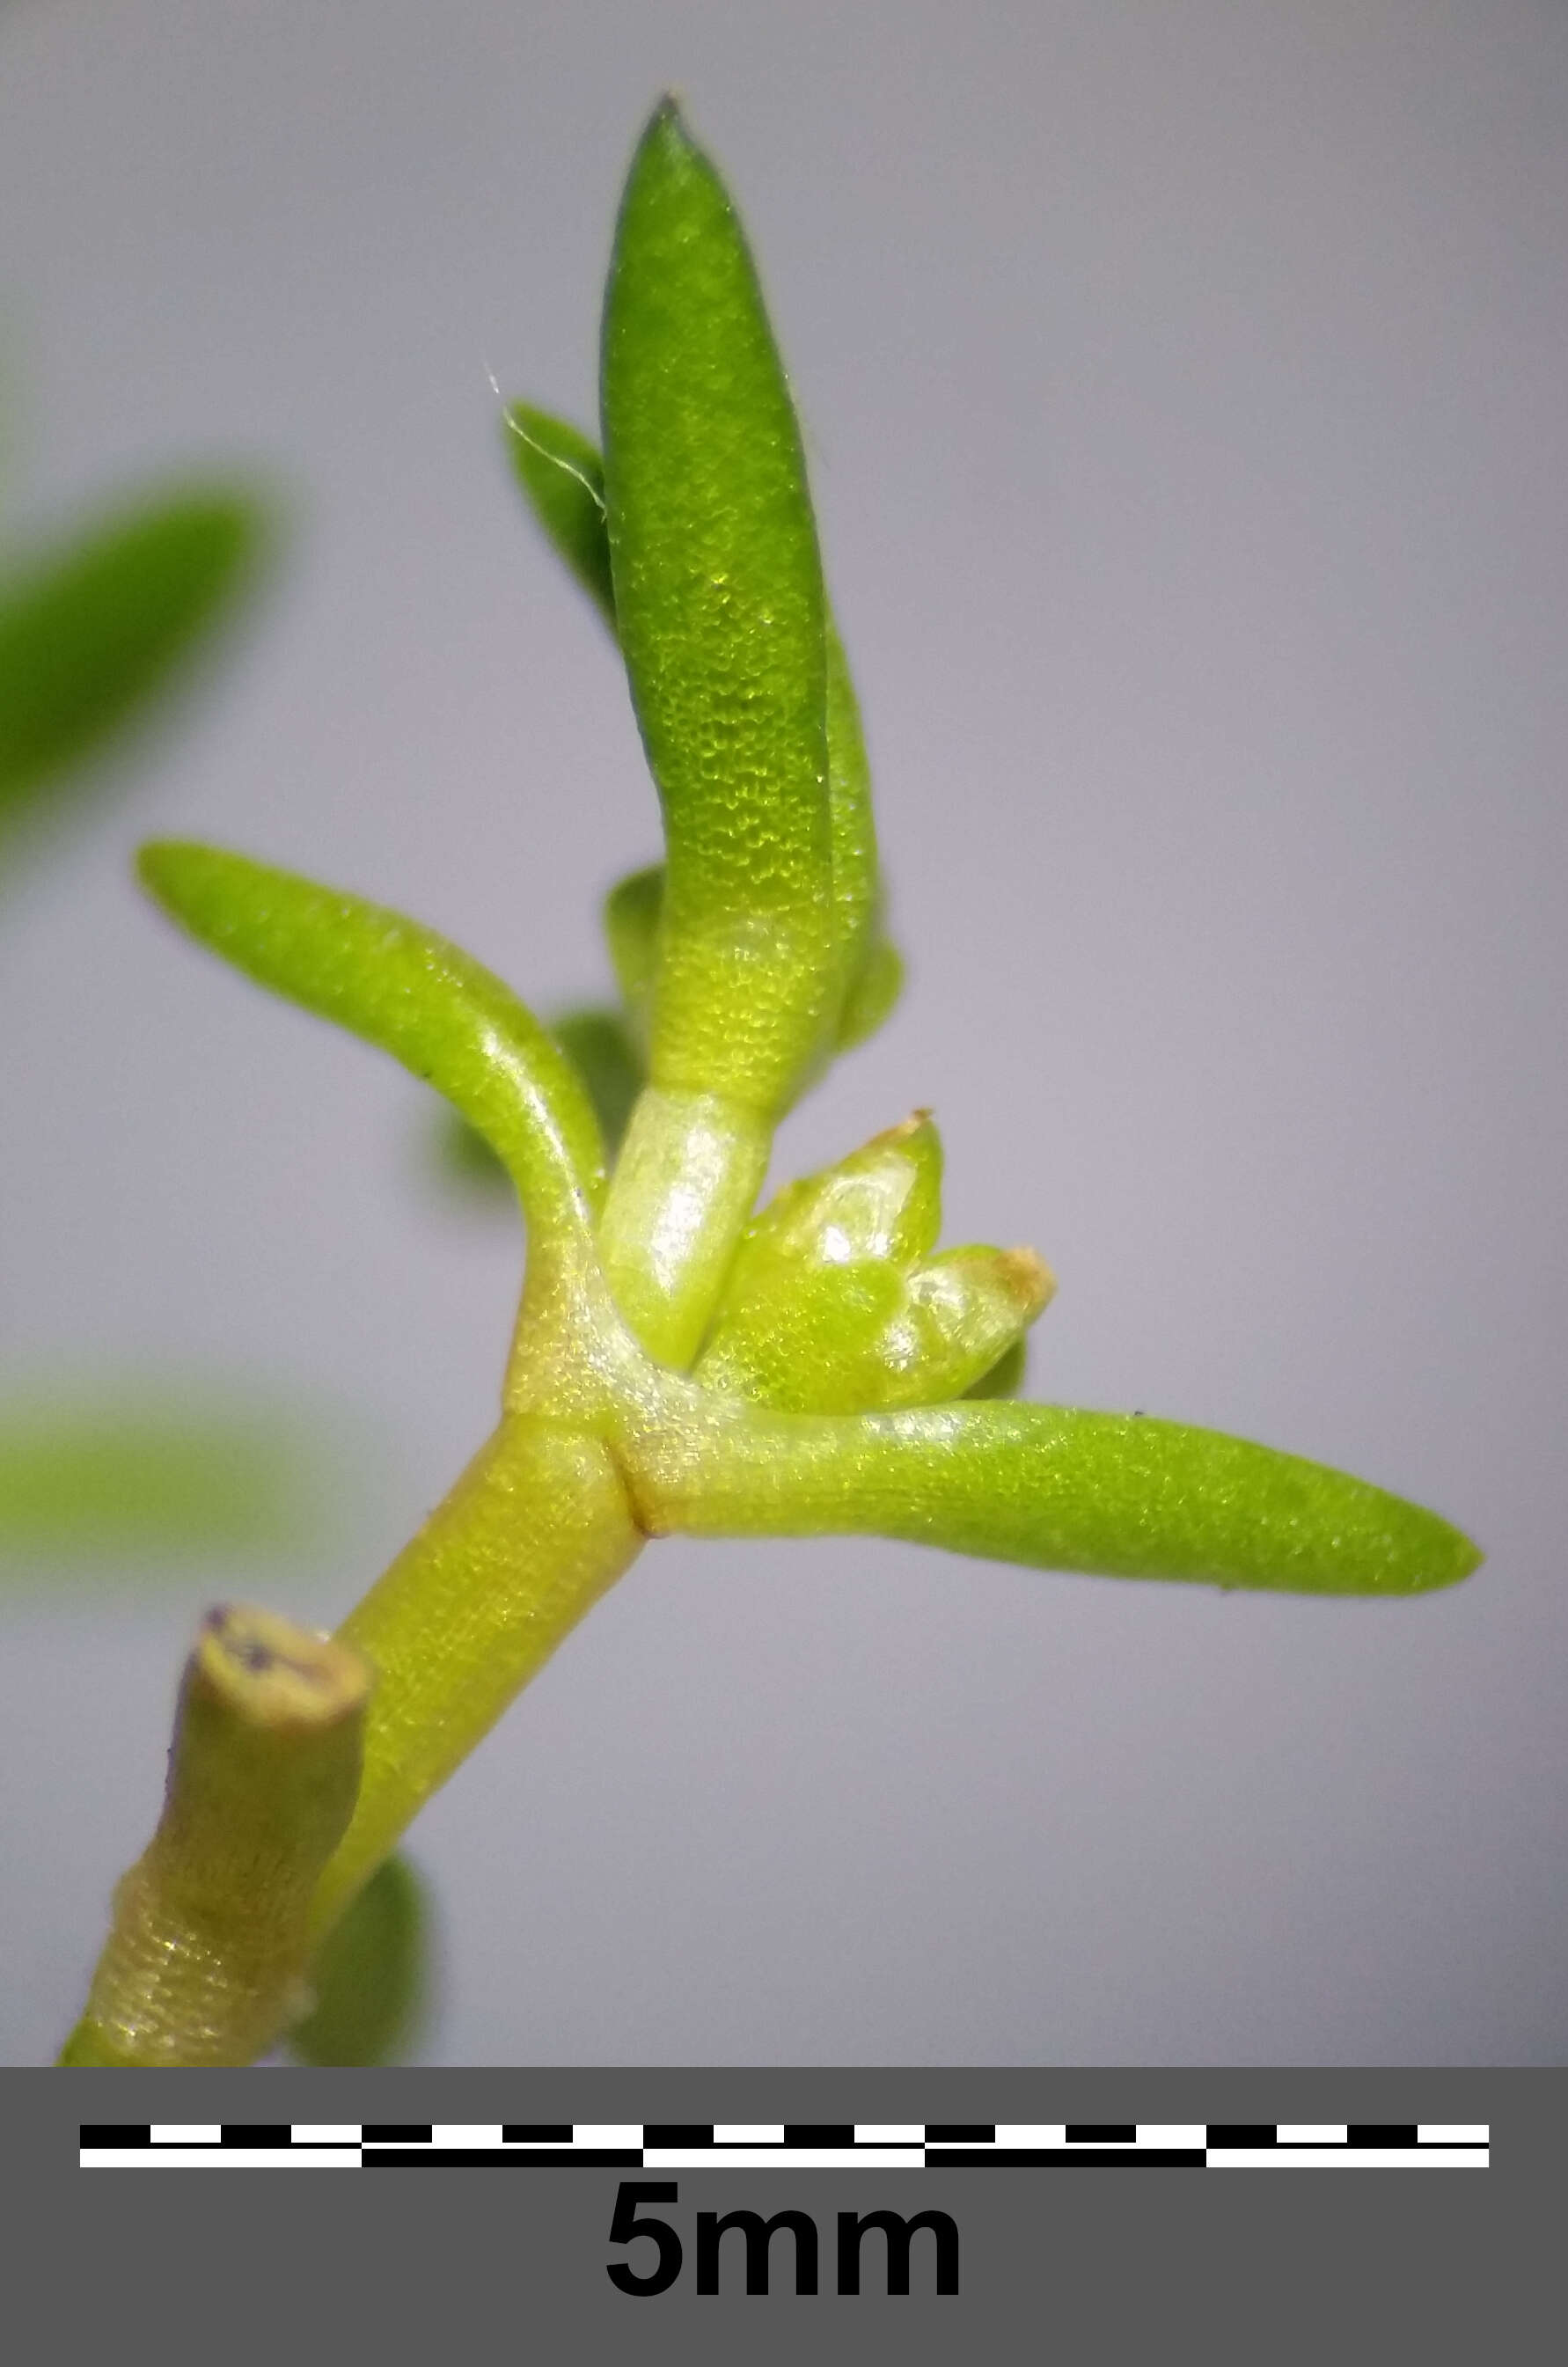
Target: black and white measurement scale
(679, 2146)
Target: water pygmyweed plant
(680, 1365)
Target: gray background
(1185, 391)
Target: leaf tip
(165, 867)
(1464, 1557)
(153, 862)
(666, 144)
(1414, 1551)
(668, 120)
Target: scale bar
(655, 2146)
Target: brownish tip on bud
(1025, 1275)
(902, 1131)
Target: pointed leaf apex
(667, 121)
(666, 142)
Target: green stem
(686, 1180)
(534, 1531)
(263, 1843)
(210, 1935)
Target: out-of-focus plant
(680, 1365)
(99, 632)
(140, 1478)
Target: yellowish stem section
(685, 1182)
(534, 1531)
(211, 1934)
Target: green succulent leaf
(91, 634)
(599, 1044)
(855, 873)
(872, 995)
(562, 474)
(1053, 1487)
(871, 972)
(401, 987)
(719, 598)
(370, 1977)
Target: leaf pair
(1042, 1485)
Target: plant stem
(262, 1842)
(534, 1531)
(685, 1182)
(210, 1933)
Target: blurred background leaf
(599, 1043)
(465, 1161)
(168, 1480)
(373, 1975)
(96, 631)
